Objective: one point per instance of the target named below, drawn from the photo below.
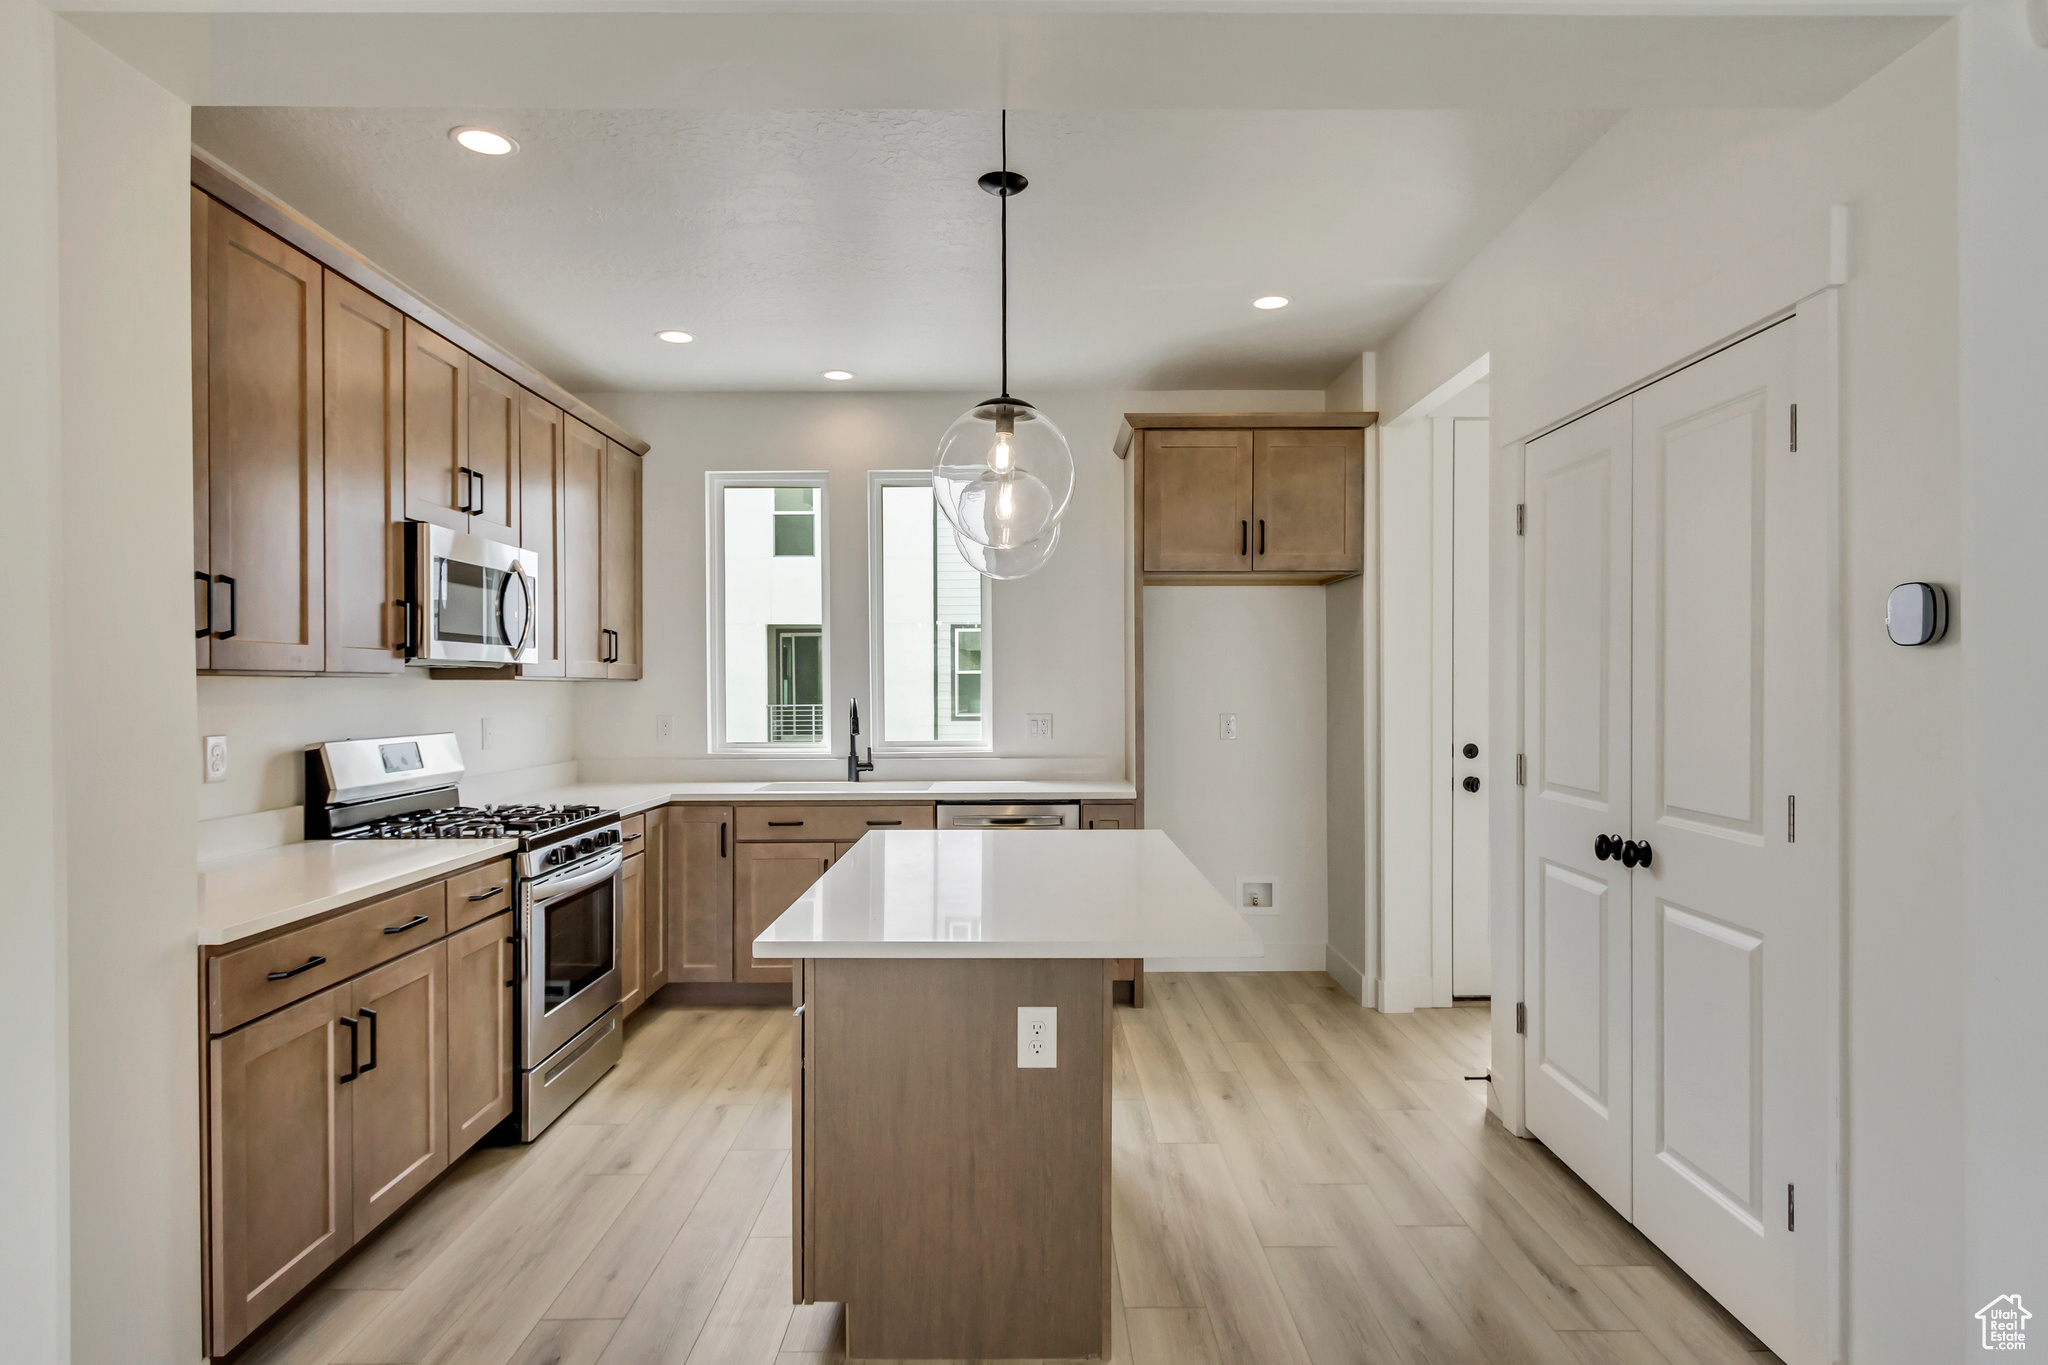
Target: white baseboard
(1280, 957)
(1402, 994)
(1350, 976)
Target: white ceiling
(790, 242)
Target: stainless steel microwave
(469, 601)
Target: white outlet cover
(1038, 1036)
(216, 758)
(485, 737)
(664, 728)
(1038, 724)
(1226, 725)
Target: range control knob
(554, 856)
(585, 844)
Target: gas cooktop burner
(472, 822)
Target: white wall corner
(1349, 975)
(1356, 388)
(1838, 234)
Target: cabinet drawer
(478, 894)
(240, 985)
(834, 823)
(1109, 817)
(633, 834)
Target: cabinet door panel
(1308, 500)
(279, 1130)
(653, 829)
(540, 522)
(1109, 817)
(202, 549)
(436, 428)
(481, 972)
(493, 458)
(1198, 501)
(583, 464)
(699, 855)
(264, 436)
(767, 880)
(621, 556)
(400, 1101)
(632, 902)
(364, 342)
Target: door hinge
(1521, 518)
(1791, 819)
(1795, 428)
(1788, 1208)
(1521, 771)
(1521, 1017)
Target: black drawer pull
(234, 608)
(370, 1065)
(629, 838)
(206, 629)
(308, 965)
(354, 1070)
(873, 823)
(482, 896)
(721, 838)
(784, 824)
(415, 922)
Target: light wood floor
(1295, 1179)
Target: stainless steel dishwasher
(989, 815)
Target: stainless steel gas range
(568, 872)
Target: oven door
(570, 962)
(470, 600)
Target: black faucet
(854, 765)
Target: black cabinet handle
(468, 477)
(1262, 535)
(721, 838)
(873, 823)
(308, 965)
(1244, 539)
(353, 1069)
(481, 896)
(482, 492)
(415, 922)
(234, 607)
(207, 586)
(784, 824)
(370, 1065)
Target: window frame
(877, 698)
(958, 673)
(716, 483)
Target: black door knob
(1641, 851)
(1605, 848)
(1471, 751)
(1629, 857)
(1471, 784)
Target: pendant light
(1004, 474)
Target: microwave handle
(409, 641)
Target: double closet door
(1678, 626)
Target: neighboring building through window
(768, 640)
(929, 624)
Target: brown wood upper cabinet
(258, 479)
(494, 430)
(541, 477)
(1261, 501)
(619, 531)
(437, 483)
(364, 341)
(584, 643)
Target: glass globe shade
(1014, 562)
(1004, 474)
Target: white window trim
(878, 479)
(715, 484)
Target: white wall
(1057, 636)
(124, 709)
(1677, 230)
(1256, 806)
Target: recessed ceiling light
(484, 141)
(839, 376)
(674, 336)
(1271, 301)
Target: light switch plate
(1038, 724)
(1038, 1036)
(216, 758)
(488, 730)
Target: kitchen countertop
(253, 893)
(1011, 893)
(629, 798)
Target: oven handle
(568, 883)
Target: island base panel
(957, 1204)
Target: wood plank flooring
(1297, 1181)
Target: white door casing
(1471, 576)
(1576, 940)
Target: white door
(1577, 626)
(1471, 953)
(1730, 646)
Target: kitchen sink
(831, 786)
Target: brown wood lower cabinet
(482, 971)
(280, 1174)
(632, 924)
(767, 880)
(1109, 817)
(400, 1105)
(698, 869)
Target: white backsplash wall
(1256, 806)
(1057, 637)
(269, 722)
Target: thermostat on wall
(1916, 613)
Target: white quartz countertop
(254, 893)
(1011, 893)
(630, 797)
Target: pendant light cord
(1005, 197)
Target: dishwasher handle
(1009, 821)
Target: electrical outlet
(1038, 1036)
(664, 728)
(487, 729)
(216, 758)
(1038, 724)
(1226, 725)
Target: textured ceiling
(790, 242)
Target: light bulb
(1000, 455)
(1005, 507)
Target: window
(769, 647)
(928, 624)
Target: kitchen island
(951, 1127)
